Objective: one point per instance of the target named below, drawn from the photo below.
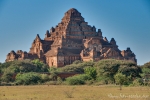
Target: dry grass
(61, 92)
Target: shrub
(44, 77)
(28, 78)
(132, 71)
(109, 67)
(7, 77)
(24, 66)
(74, 81)
(41, 67)
(137, 82)
(78, 79)
(77, 62)
(77, 67)
(59, 80)
(105, 80)
(91, 71)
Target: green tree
(7, 77)
(41, 67)
(120, 79)
(132, 71)
(91, 71)
(146, 65)
(109, 67)
(53, 73)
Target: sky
(128, 21)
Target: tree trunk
(120, 87)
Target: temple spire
(112, 41)
(47, 34)
(37, 38)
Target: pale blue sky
(128, 21)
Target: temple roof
(72, 10)
(72, 14)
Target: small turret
(105, 39)
(99, 33)
(47, 34)
(128, 49)
(37, 38)
(52, 29)
(93, 28)
(112, 41)
(13, 52)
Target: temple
(72, 39)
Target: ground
(63, 92)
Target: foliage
(59, 80)
(28, 78)
(103, 71)
(74, 81)
(77, 62)
(53, 69)
(41, 67)
(145, 70)
(137, 82)
(7, 77)
(146, 65)
(53, 73)
(44, 77)
(78, 79)
(77, 67)
(109, 67)
(120, 79)
(145, 75)
(24, 66)
(91, 71)
(105, 80)
(133, 71)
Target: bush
(41, 67)
(24, 66)
(7, 77)
(91, 71)
(109, 67)
(78, 79)
(77, 67)
(137, 82)
(28, 78)
(105, 80)
(146, 65)
(77, 62)
(59, 81)
(74, 81)
(133, 71)
(44, 77)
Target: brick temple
(72, 39)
